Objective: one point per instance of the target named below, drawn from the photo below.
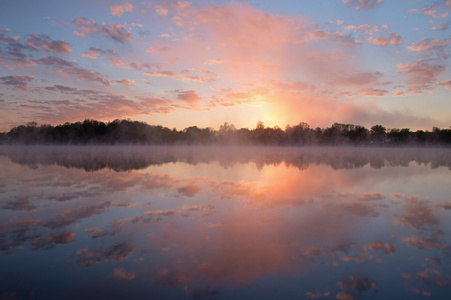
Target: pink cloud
(190, 97)
(422, 73)
(118, 10)
(392, 39)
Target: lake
(224, 223)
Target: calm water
(224, 223)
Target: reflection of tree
(92, 158)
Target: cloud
(194, 75)
(352, 79)
(445, 84)
(442, 26)
(161, 9)
(55, 62)
(190, 97)
(362, 27)
(362, 4)
(84, 74)
(116, 32)
(45, 42)
(118, 10)
(422, 73)
(123, 82)
(70, 69)
(20, 82)
(90, 55)
(370, 92)
(392, 39)
(429, 44)
(169, 74)
(346, 40)
(319, 35)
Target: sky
(203, 63)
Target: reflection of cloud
(168, 212)
(189, 190)
(434, 277)
(353, 287)
(418, 214)
(71, 216)
(20, 203)
(388, 248)
(121, 273)
(351, 207)
(117, 252)
(50, 241)
(423, 243)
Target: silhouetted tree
(134, 132)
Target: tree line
(136, 132)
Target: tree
(377, 134)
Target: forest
(127, 131)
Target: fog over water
(224, 222)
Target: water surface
(224, 223)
